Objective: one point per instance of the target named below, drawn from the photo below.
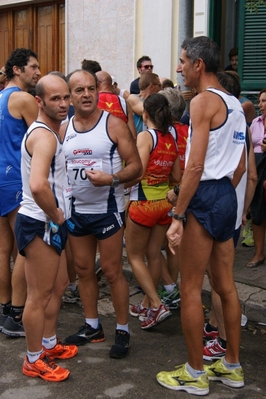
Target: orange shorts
(150, 213)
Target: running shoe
(155, 316)
(3, 318)
(248, 240)
(233, 378)
(12, 328)
(170, 299)
(61, 351)
(86, 334)
(181, 380)
(121, 345)
(71, 296)
(138, 311)
(44, 368)
(213, 350)
(209, 335)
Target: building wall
(117, 32)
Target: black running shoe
(3, 318)
(121, 345)
(12, 328)
(86, 334)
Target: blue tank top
(12, 131)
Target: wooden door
(40, 27)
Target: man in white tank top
(204, 217)
(41, 231)
(95, 143)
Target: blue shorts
(101, 225)
(10, 197)
(26, 229)
(214, 205)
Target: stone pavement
(251, 284)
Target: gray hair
(176, 102)
(205, 48)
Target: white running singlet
(226, 142)
(57, 179)
(93, 150)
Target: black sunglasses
(2, 73)
(147, 66)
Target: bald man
(41, 230)
(113, 103)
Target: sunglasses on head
(147, 66)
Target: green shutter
(215, 12)
(252, 47)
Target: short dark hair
(58, 73)
(261, 92)
(142, 59)
(91, 66)
(230, 82)
(233, 52)
(167, 83)
(20, 58)
(146, 79)
(205, 48)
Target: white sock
(194, 373)
(230, 365)
(170, 287)
(33, 356)
(94, 323)
(50, 342)
(123, 327)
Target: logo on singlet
(71, 136)
(83, 151)
(238, 137)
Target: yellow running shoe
(233, 378)
(181, 380)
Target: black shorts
(27, 228)
(101, 225)
(214, 205)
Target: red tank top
(112, 103)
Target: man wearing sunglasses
(144, 65)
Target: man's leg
(41, 268)
(53, 307)
(195, 250)
(84, 250)
(111, 263)
(221, 269)
(6, 247)
(13, 324)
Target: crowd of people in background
(145, 142)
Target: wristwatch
(178, 217)
(115, 182)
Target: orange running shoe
(44, 368)
(61, 351)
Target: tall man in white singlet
(207, 201)
(95, 144)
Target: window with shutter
(252, 47)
